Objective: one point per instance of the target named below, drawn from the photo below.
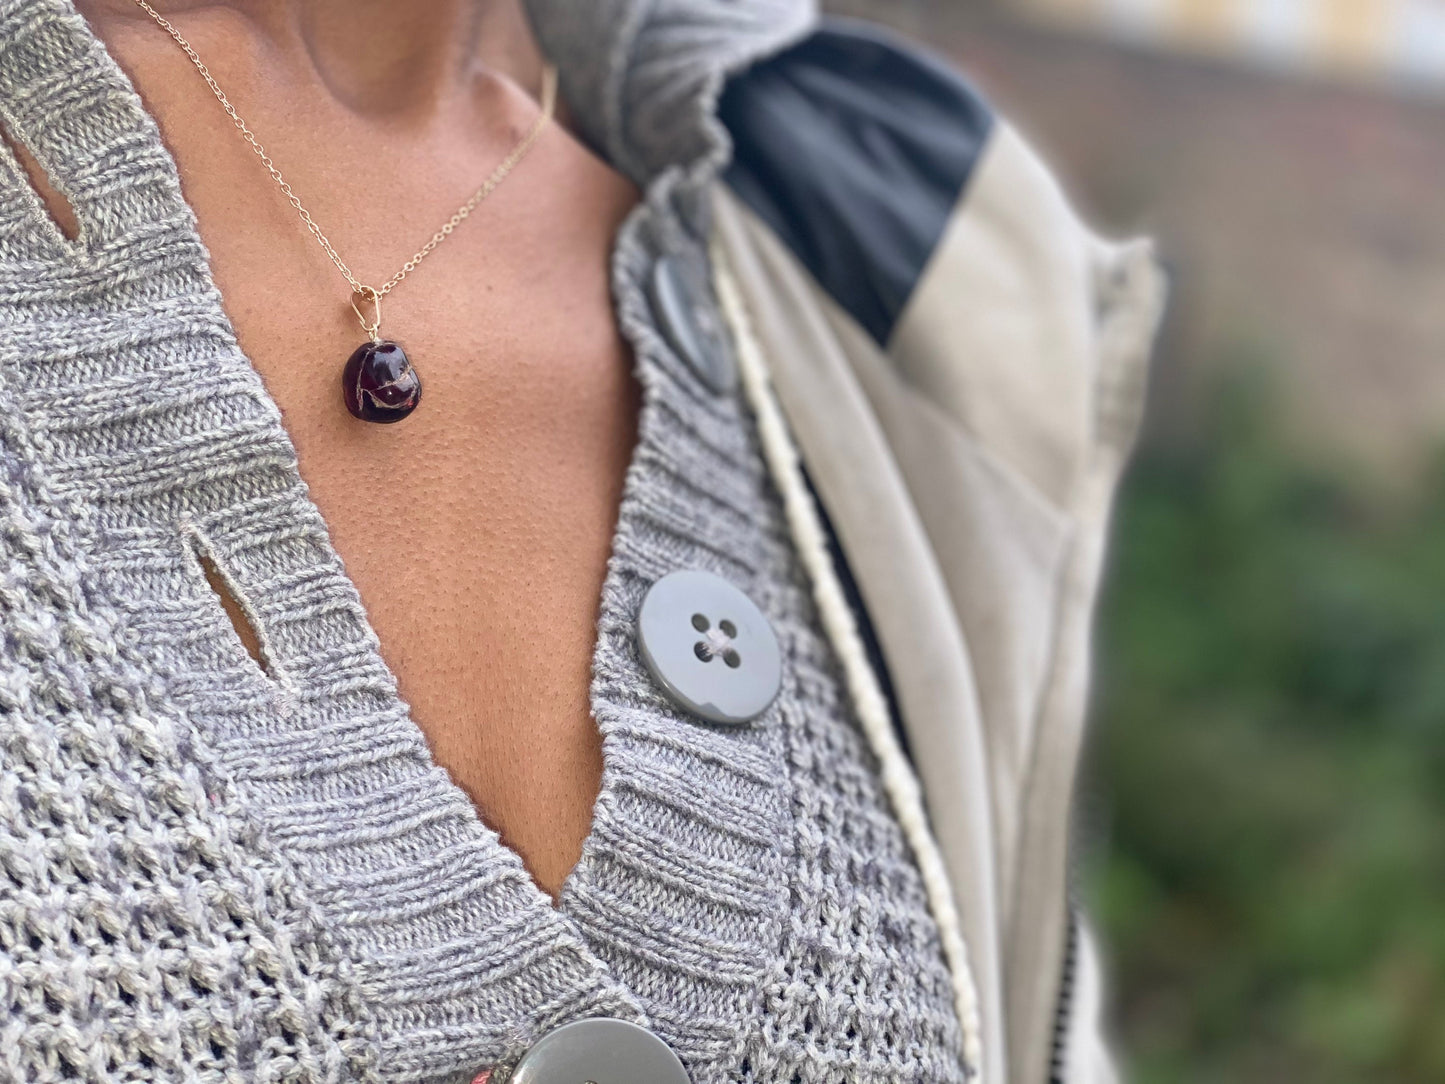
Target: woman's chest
(476, 530)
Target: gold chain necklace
(379, 383)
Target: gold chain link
(373, 294)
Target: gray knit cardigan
(209, 872)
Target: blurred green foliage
(1270, 745)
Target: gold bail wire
(373, 328)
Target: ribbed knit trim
(152, 420)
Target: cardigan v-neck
(156, 437)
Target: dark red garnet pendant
(379, 383)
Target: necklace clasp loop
(373, 326)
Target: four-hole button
(709, 647)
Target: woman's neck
(375, 56)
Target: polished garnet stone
(379, 383)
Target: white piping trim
(899, 782)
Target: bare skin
(477, 530)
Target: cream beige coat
(968, 470)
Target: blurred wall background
(1263, 818)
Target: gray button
(707, 644)
(683, 300)
(599, 1051)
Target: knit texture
(214, 872)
